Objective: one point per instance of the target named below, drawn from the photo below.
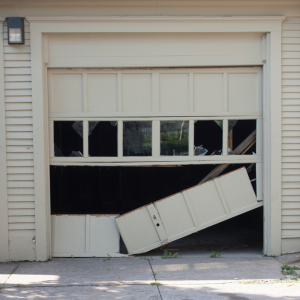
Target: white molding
(40, 136)
(272, 146)
(4, 251)
(37, 3)
(163, 19)
(272, 124)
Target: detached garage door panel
(183, 213)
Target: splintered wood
(239, 150)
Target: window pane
(238, 131)
(68, 138)
(103, 138)
(174, 138)
(208, 136)
(137, 138)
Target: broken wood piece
(241, 149)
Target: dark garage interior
(117, 190)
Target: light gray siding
(19, 148)
(291, 135)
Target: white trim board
(272, 93)
(151, 3)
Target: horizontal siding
(19, 138)
(290, 135)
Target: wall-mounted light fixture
(15, 30)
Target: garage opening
(77, 190)
(133, 137)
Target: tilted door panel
(237, 190)
(206, 202)
(139, 229)
(187, 212)
(175, 215)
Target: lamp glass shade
(15, 35)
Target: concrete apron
(137, 271)
(185, 278)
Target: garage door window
(174, 138)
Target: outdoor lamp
(15, 30)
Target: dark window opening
(68, 138)
(103, 138)
(238, 131)
(208, 136)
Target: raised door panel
(102, 93)
(104, 234)
(203, 198)
(174, 92)
(66, 93)
(68, 234)
(175, 215)
(136, 92)
(243, 92)
(237, 190)
(208, 92)
(137, 229)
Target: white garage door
(152, 116)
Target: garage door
(174, 116)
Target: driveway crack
(12, 273)
(154, 275)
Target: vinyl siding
(291, 135)
(19, 148)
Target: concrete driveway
(187, 277)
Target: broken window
(137, 138)
(174, 138)
(239, 131)
(68, 138)
(208, 137)
(103, 138)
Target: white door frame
(41, 26)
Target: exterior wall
(18, 113)
(291, 135)
(19, 149)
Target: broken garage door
(187, 212)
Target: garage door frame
(271, 63)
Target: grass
(146, 258)
(168, 255)
(155, 283)
(285, 270)
(109, 257)
(15, 286)
(215, 255)
(288, 270)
